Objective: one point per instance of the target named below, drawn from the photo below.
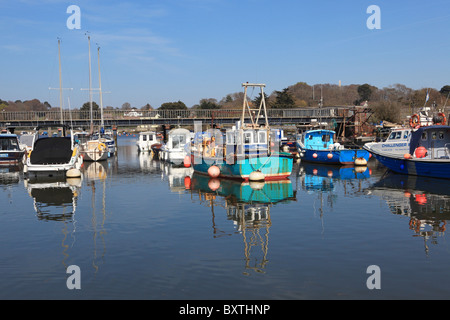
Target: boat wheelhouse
(174, 150)
(10, 149)
(146, 140)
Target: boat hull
(11, 156)
(346, 156)
(416, 167)
(277, 166)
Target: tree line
(388, 103)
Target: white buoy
(256, 185)
(213, 171)
(73, 173)
(256, 176)
(360, 162)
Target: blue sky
(169, 50)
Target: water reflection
(426, 201)
(247, 205)
(96, 174)
(322, 180)
(54, 198)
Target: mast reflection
(247, 205)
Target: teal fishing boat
(249, 151)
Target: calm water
(139, 229)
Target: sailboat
(93, 149)
(54, 154)
(249, 152)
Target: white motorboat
(51, 155)
(174, 151)
(146, 140)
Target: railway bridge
(219, 117)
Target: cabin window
(151, 137)
(310, 137)
(144, 138)
(433, 135)
(230, 138)
(424, 135)
(9, 144)
(392, 135)
(247, 137)
(405, 134)
(178, 141)
(441, 135)
(262, 137)
(326, 138)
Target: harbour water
(141, 229)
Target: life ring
(443, 122)
(102, 146)
(414, 121)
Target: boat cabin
(146, 140)
(319, 139)
(9, 142)
(178, 138)
(432, 142)
(250, 141)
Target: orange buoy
(420, 152)
(314, 155)
(330, 155)
(187, 182)
(187, 161)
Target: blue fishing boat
(429, 153)
(248, 152)
(319, 146)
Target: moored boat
(146, 140)
(319, 146)
(248, 153)
(54, 154)
(174, 150)
(10, 149)
(428, 154)
(396, 143)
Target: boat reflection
(54, 198)
(177, 176)
(425, 201)
(323, 177)
(10, 174)
(248, 206)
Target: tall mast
(90, 86)
(100, 88)
(60, 82)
